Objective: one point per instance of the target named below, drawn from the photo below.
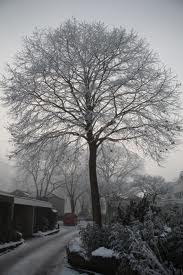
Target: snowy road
(39, 256)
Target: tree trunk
(72, 205)
(96, 210)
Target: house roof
(6, 197)
(32, 202)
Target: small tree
(88, 81)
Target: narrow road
(38, 256)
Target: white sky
(159, 21)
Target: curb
(11, 245)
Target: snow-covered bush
(136, 209)
(143, 239)
(173, 246)
(141, 260)
(137, 256)
(44, 224)
(93, 237)
(170, 214)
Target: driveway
(38, 256)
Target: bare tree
(115, 166)
(73, 174)
(41, 169)
(91, 82)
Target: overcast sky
(159, 21)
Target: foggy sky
(159, 21)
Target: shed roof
(7, 197)
(32, 202)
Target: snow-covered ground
(10, 245)
(43, 234)
(38, 256)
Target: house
(6, 215)
(178, 188)
(24, 214)
(58, 203)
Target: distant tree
(73, 177)
(88, 81)
(85, 204)
(116, 166)
(41, 169)
(150, 185)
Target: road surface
(38, 256)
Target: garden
(142, 239)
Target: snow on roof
(24, 200)
(5, 194)
(5, 197)
(32, 202)
(54, 210)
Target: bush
(135, 210)
(144, 241)
(44, 224)
(141, 260)
(94, 237)
(173, 246)
(138, 249)
(171, 216)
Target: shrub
(135, 210)
(173, 246)
(137, 256)
(44, 224)
(141, 260)
(94, 237)
(143, 239)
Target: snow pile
(105, 253)
(93, 237)
(39, 234)
(75, 245)
(10, 244)
(42, 234)
(167, 230)
(82, 224)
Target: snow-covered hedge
(93, 237)
(146, 244)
